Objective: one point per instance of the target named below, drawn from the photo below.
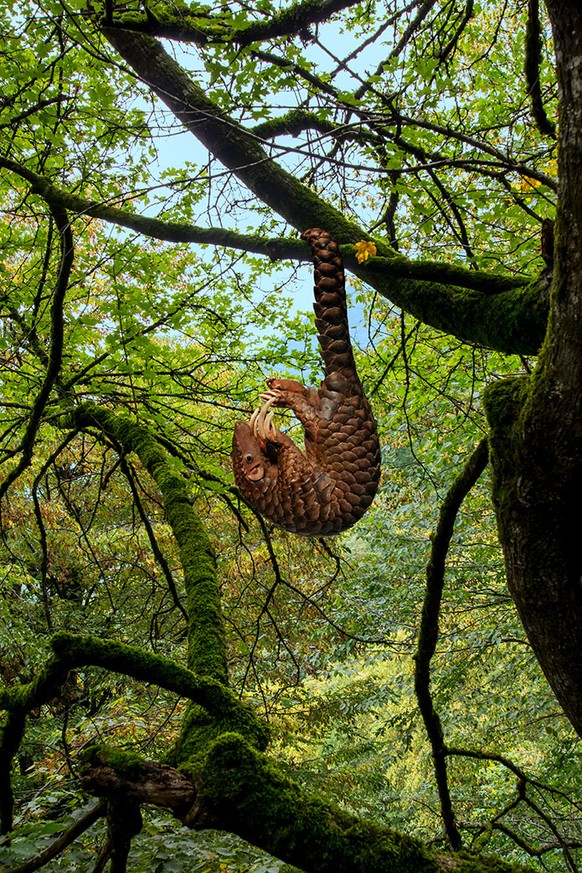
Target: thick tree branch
(205, 29)
(111, 773)
(72, 651)
(506, 322)
(218, 701)
(391, 265)
(501, 312)
(241, 791)
(236, 148)
(206, 652)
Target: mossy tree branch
(218, 701)
(505, 313)
(236, 788)
(206, 644)
(202, 28)
(512, 320)
(224, 711)
(206, 638)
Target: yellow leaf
(364, 250)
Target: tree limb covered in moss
(201, 28)
(236, 788)
(501, 312)
(206, 650)
(72, 651)
(221, 703)
(156, 550)
(511, 322)
(297, 121)
(393, 265)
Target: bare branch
(56, 345)
(429, 629)
(86, 819)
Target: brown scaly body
(329, 486)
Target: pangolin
(328, 487)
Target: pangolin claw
(271, 395)
(261, 421)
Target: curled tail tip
(324, 248)
(315, 234)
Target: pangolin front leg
(327, 487)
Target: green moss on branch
(513, 323)
(241, 791)
(227, 712)
(505, 313)
(201, 28)
(206, 649)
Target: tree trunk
(536, 425)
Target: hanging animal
(327, 487)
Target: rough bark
(537, 423)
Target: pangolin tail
(331, 313)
